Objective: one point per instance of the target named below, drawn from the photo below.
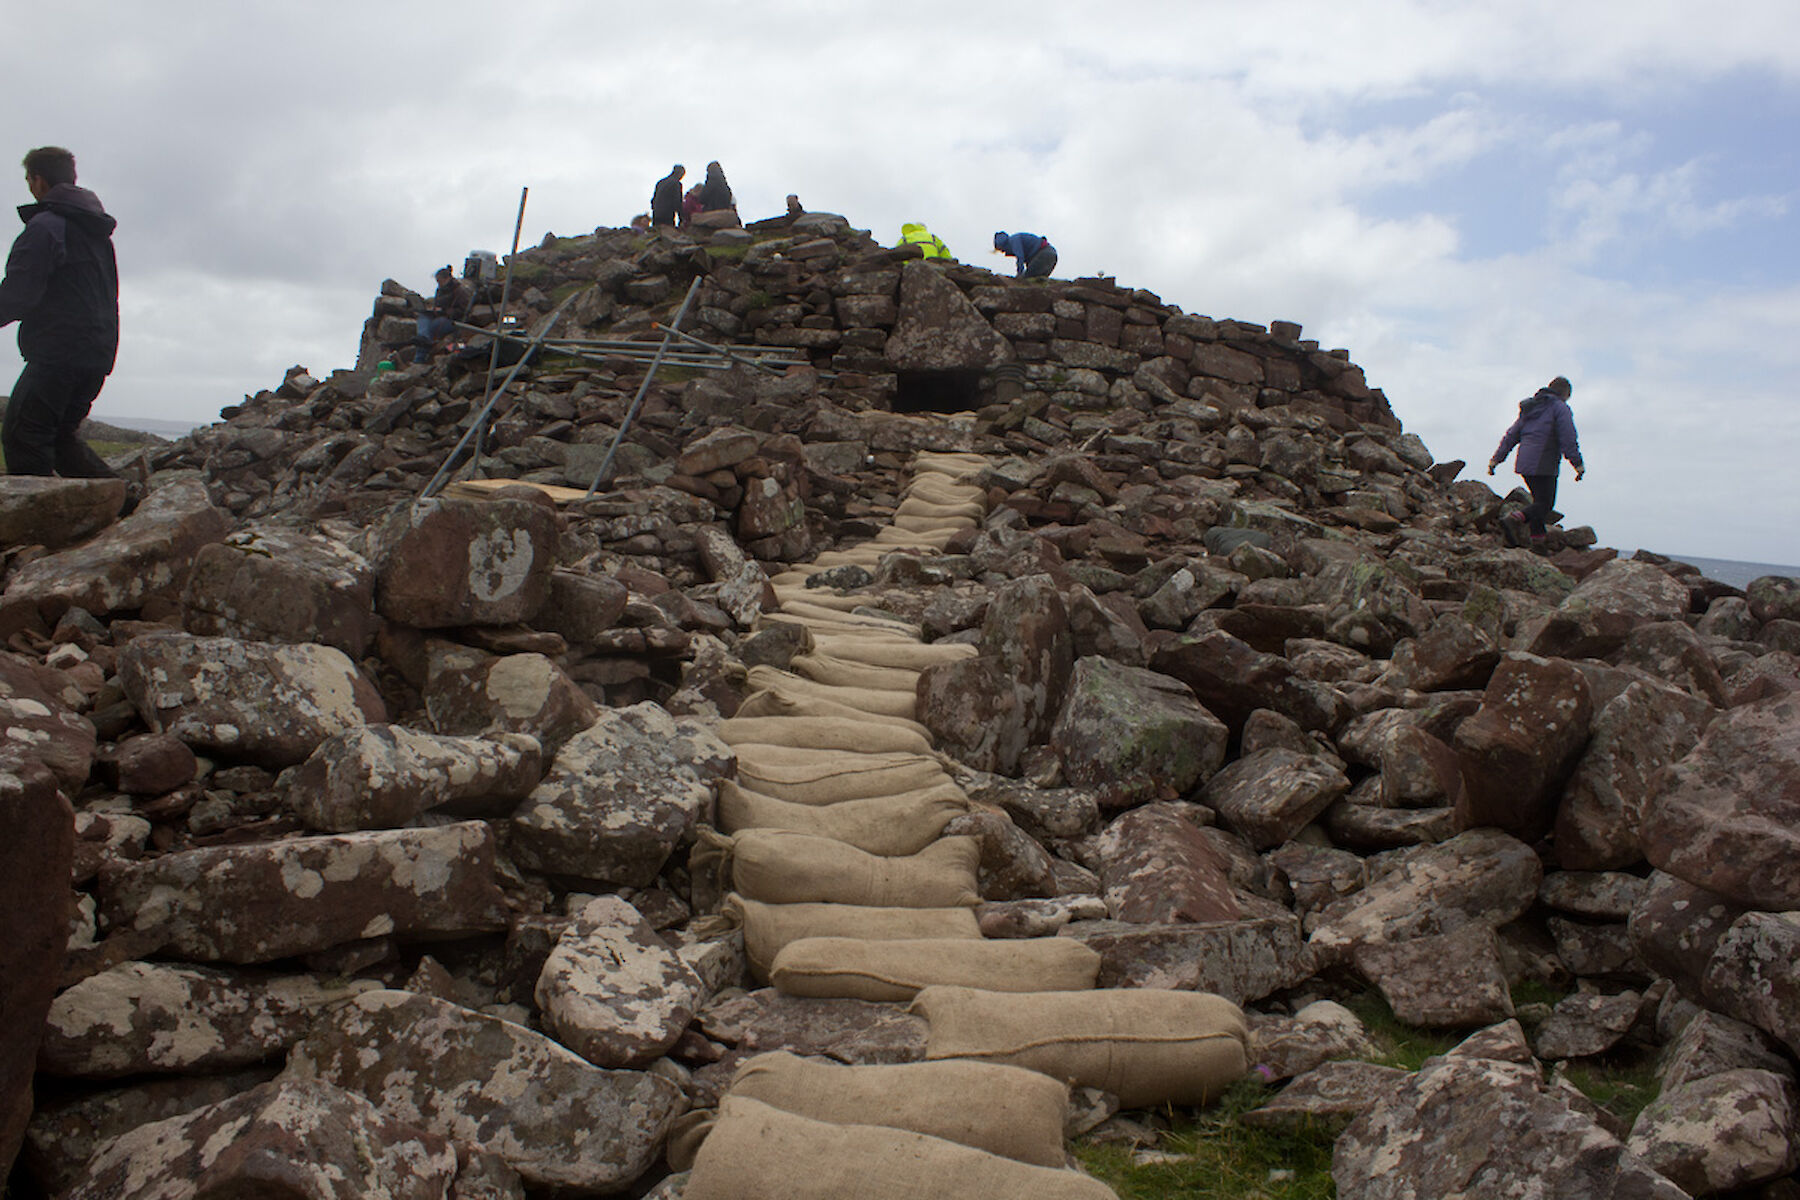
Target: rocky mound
(394, 826)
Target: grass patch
(1213, 1155)
(103, 449)
(1400, 1045)
(729, 253)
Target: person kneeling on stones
(1036, 256)
(450, 304)
(1544, 434)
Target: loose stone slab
(37, 848)
(450, 561)
(140, 1018)
(55, 512)
(381, 776)
(285, 1138)
(1587, 1023)
(1159, 869)
(1447, 981)
(1272, 794)
(1284, 1047)
(558, 1120)
(1330, 1093)
(1754, 974)
(1720, 1133)
(1240, 960)
(272, 583)
(850, 1031)
(613, 991)
(255, 903)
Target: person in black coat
(715, 193)
(665, 200)
(62, 287)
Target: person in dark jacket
(449, 304)
(1544, 434)
(62, 287)
(715, 193)
(1036, 256)
(665, 199)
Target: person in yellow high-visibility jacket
(930, 244)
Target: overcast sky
(1470, 199)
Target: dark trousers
(431, 328)
(48, 403)
(1543, 501)
(1039, 265)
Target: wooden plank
(481, 489)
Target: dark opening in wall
(937, 391)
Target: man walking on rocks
(1544, 434)
(62, 287)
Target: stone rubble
(357, 840)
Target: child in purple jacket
(1544, 434)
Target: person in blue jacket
(1036, 256)
(1544, 434)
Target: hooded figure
(913, 233)
(715, 193)
(1544, 434)
(1036, 256)
(62, 287)
(665, 199)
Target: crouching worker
(930, 245)
(1036, 256)
(450, 304)
(1544, 434)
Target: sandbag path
(832, 840)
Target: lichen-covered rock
(259, 701)
(558, 1120)
(1284, 1047)
(1269, 796)
(939, 329)
(1754, 974)
(382, 776)
(39, 726)
(144, 1018)
(1517, 750)
(1480, 877)
(1711, 1043)
(256, 903)
(612, 990)
(1240, 960)
(619, 796)
(1675, 927)
(37, 849)
(1727, 816)
(1720, 1133)
(147, 553)
(1157, 868)
(1604, 608)
(1478, 1127)
(468, 692)
(54, 513)
(1123, 725)
(1013, 865)
(270, 583)
(148, 764)
(1774, 598)
(1232, 680)
(1586, 1023)
(449, 561)
(1445, 981)
(1328, 1094)
(851, 1031)
(284, 1138)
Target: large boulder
(613, 991)
(620, 796)
(1233, 680)
(558, 1120)
(42, 729)
(1675, 927)
(266, 703)
(1157, 868)
(1240, 960)
(257, 903)
(1464, 1126)
(1516, 752)
(146, 554)
(939, 328)
(1754, 974)
(382, 776)
(1123, 724)
(278, 584)
(468, 692)
(1721, 1133)
(1727, 816)
(1604, 608)
(449, 561)
(1271, 795)
(52, 512)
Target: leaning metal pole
(725, 350)
(500, 317)
(631, 413)
(474, 429)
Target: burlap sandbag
(808, 608)
(1146, 1046)
(806, 776)
(873, 701)
(824, 733)
(943, 493)
(844, 672)
(792, 698)
(820, 599)
(780, 866)
(905, 538)
(850, 968)
(925, 523)
(757, 1152)
(913, 655)
(1008, 1111)
(769, 927)
(925, 506)
(884, 825)
(815, 627)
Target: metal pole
(725, 350)
(500, 317)
(437, 481)
(631, 413)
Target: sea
(1725, 570)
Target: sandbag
(769, 927)
(873, 701)
(1008, 1111)
(912, 655)
(925, 523)
(815, 627)
(806, 608)
(844, 672)
(780, 866)
(795, 697)
(757, 1152)
(1146, 1046)
(851, 968)
(824, 733)
(819, 598)
(896, 538)
(925, 506)
(884, 825)
(806, 776)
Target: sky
(1469, 199)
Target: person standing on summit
(1544, 434)
(665, 199)
(62, 287)
(1036, 256)
(715, 193)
